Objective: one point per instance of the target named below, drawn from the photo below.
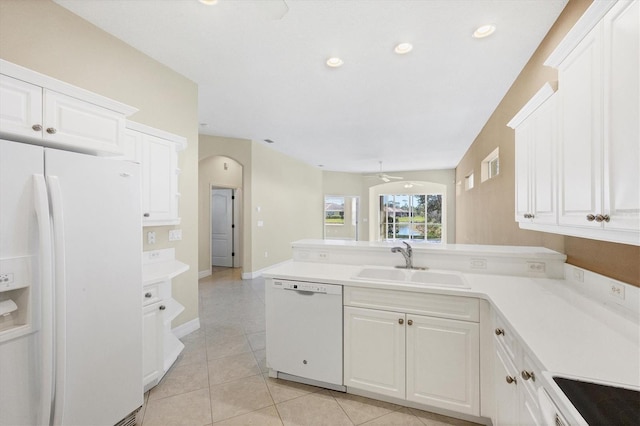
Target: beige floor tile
(254, 325)
(403, 417)
(239, 397)
(232, 367)
(264, 417)
(181, 379)
(224, 329)
(257, 341)
(261, 359)
(361, 409)
(433, 419)
(218, 348)
(285, 390)
(315, 409)
(191, 409)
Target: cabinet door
(543, 150)
(374, 351)
(443, 363)
(20, 108)
(82, 126)
(132, 147)
(152, 344)
(506, 393)
(580, 159)
(621, 112)
(524, 142)
(160, 180)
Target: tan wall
(44, 37)
(485, 214)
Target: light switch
(151, 237)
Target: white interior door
(222, 227)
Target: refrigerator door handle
(57, 213)
(41, 205)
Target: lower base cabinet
(427, 360)
(151, 343)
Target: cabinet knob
(146, 215)
(51, 130)
(529, 216)
(499, 332)
(591, 217)
(36, 127)
(147, 295)
(162, 307)
(400, 321)
(410, 322)
(511, 379)
(528, 375)
(602, 218)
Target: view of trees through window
(411, 217)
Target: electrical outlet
(578, 275)
(537, 267)
(154, 255)
(616, 290)
(151, 237)
(478, 263)
(323, 255)
(266, 254)
(6, 278)
(175, 235)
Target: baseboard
(186, 328)
(203, 274)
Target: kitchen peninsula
(480, 334)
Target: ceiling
(261, 72)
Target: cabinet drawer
(150, 294)
(434, 305)
(506, 338)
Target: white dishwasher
(304, 332)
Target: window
(490, 165)
(334, 211)
(411, 217)
(468, 181)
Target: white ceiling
(260, 68)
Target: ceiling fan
(383, 176)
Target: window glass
(411, 217)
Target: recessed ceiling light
(484, 31)
(334, 62)
(209, 2)
(403, 48)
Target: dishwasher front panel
(304, 329)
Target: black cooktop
(602, 404)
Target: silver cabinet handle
(602, 218)
(162, 307)
(591, 217)
(499, 332)
(528, 375)
(51, 130)
(529, 216)
(400, 321)
(511, 379)
(147, 295)
(36, 127)
(410, 322)
(146, 215)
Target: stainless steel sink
(436, 278)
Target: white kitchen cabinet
(152, 359)
(599, 130)
(515, 372)
(37, 109)
(536, 133)
(157, 152)
(393, 351)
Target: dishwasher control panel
(308, 287)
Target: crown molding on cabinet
(586, 23)
(538, 99)
(35, 78)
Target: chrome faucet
(406, 253)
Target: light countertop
(567, 333)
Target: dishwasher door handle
(302, 292)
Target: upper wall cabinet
(37, 109)
(598, 137)
(157, 152)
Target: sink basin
(436, 278)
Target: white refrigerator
(70, 288)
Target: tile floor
(220, 377)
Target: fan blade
(384, 178)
